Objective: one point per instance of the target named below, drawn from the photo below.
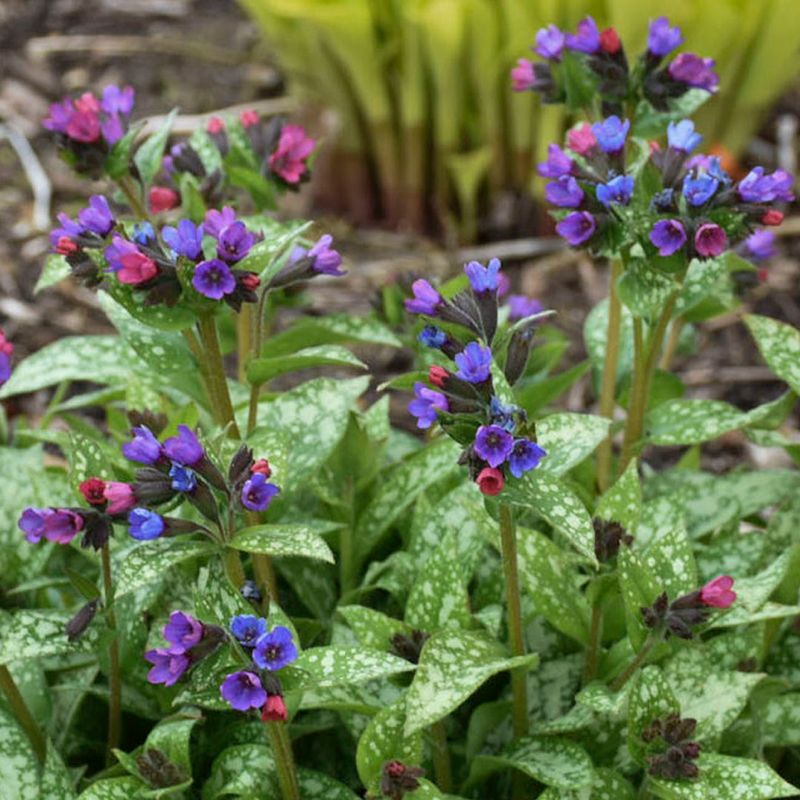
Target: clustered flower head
(399, 779)
(671, 751)
(601, 58)
(495, 436)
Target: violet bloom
(587, 38)
(483, 279)
(5, 367)
(493, 444)
(243, 691)
(59, 525)
(699, 190)
(186, 240)
(759, 246)
(523, 77)
(144, 448)
(145, 524)
(710, 240)
(425, 404)
(718, 593)
(521, 306)
(694, 71)
(248, 629)
(474, 363)
(550, 42)
(59, 116)
(129, 264)
(185, 448)
(564, 193)
(325, 259)
(182, 631)
(682, 136)
(168, 666)
(618, 191)
(216, 221)
(577, 227)
(668, 235)
(288, 161)
(213, 279)
(610, 133)
(118, 101)
(234, 242)
(97, 217)
(525, 455)
(558, 163)
(661, 39)
(257, 494)
(756, 187)
(275, 650)
(426, 299)
(112, 129)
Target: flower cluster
(495, 434)
(270, 651)
(600, 57)
(399, 779)
(6, 351)
(179, 468)
(671, 751)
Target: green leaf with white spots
(333, 665)
(150, 562)
(643, 289)
(262, 370)
(779, 343)
(650, 698)
(557, 504)
(779, 720)
(384, 740)
(128, 788)
(56, 268)
(283, 539)
(216, 600)
(56, 780)
(399, 488)
(622, 502)
(568, 439)
(172, 737)
(372, 628)
(316, 786)
(19, 778)
(245, 770)
(548, 574)
(89, 458)
(703, 278)
(595, 335)
(726, 778)
(552, 761)
(453, 665)
(147, 157)
(161, 317)
(608, 785)
(38, 634)
(692, 421)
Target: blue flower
(493, 444)
(617, 191)
(699, 190)
(143, 234)
(682, 136)
(502, 415)
(474, 363)
(243, 691)
(558, 163)
(525, 455)
(275, 650)
(425, 404)
(183, 479)
(97, 218)
(756, 187)
(483, 279)
(611, 133)
(564, 192)
(431, 336)
(550, 42)
(257, 494)
(248, 628)
(186, 240)
(144, 448)
(662, 39)
(145, 524)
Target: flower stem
(129, 189)
(607, 391)
(244, 335)
(635, 663)
(114, 677)
(23, 714)
(284, 760)
(233, 567)
(219, 397)
(441, 757)
(672, 343)
(595, 637)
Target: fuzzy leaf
(622, 502)
(149, 154)
(19, 779)
(608, 785)
(127, 788)
(38, 634)
(779, 343)
(568, 439)
(262, 370)
(333, 665)
(687, 421)
(650, 698)
(283, 540)
(372, 628)
(56, 268)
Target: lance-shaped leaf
(453, 665)
(283, 539)
(779, 343)
(334, 665)
(568, 439)
(56, 779)
(779, 720)
(148, 157)
(372, 628)
(19, 769)
(56, 268)
(128, 788)
(262, 370)
(622, 502)
(650, 698)
(608, 785)
(328, 330)
(38, 634)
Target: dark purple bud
(81, 621)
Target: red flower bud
(249, 117)
(274, 709)
(162, 198)
(93, 491)
(215, 125)
(262, 466)
(438, 376)
(718, 593)
(609, 41)
(251, 281)
(490, 481)
(654, 146)
(65, 246)
(763, 274)
(772, 217)
(395, 769)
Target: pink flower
(581, 139)
(522, 76)
(490, 481)
(289, 159)
(162, 198)
(718, 593)
(248, 117)
(119, 496)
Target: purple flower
(521, 306)
(710, 240)
(577, 227)
(5, 367)
(69, 230)
(288, 161)
(118, 101)
(182, 631)
(183, 479)
(710, 164)
(234, 243)
(759, 246)
(426, 299)
(112, 128)
(257, 494)
(483, 279)
(610, 133)
(325, 259)
(59, 116)
(550, 42)
(756, 187)
(185, 448)
(557, 165)
(493, 444)
(694, 71)
(474, 363)
(662, 39)
(431, 336)
(97, 217)
(216, 221)
(617, 191)
(248, 628)
(525, 455)
(145, 524)
(168, 666)
(564, 193)
(523, 77)
(275, 650)
(243, 690)
(144, 448)
(213, 279)
(186, 240)
(682, 136)
(425, 404)
(59, 525)
(587, 38)
(699, 190)
(668, 235)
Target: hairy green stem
(23, 714)
(114, 675)
(672, 343)
(442, 767)
(284, 760)
(130, 190)
(636, 662)
(219, 398)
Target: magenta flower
(168, 666)
(493, 444)
(243, 690)
(59, 525)
(289, 159)
(119, 497)
(128, 263)
(581, 139)
(668, 235)
(523, 77)
(577, 227)
(213, 279)
(710, 240)
(718, 593)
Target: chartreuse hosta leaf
(726, 778)
(556, 503)
(608, 785)
(568, 439)
(779, 343)
(262, 370)
(38, 634)
(453, 665)
(622, 502)
(334, 664)
(283, 539)
(650, 698)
